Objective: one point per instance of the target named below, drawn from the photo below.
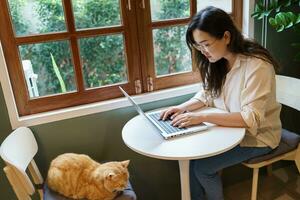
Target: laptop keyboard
(165, 125)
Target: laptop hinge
(138, 86)
(150, 83)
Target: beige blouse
(250, 89)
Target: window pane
(91, 14)
(48, 68)
(103, 60)
(225, 5)
(37, 16)
(171, 53)
(166, 9)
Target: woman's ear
(227, 37)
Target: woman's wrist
(204, 117)
(183, 107)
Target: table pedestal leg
(184, 167)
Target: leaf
(279, 28)
(278, 8)
(291, 16)
(272, 22)
(261, 15)
(267, 12)
(58, 75)
(298, 19)
(289, 25)
(281, 21)
(255, 15)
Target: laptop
(164, 127)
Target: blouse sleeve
(256, 93)
(202, 96)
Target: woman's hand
(188, 119)
(172, 112)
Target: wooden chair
(17, 151)
(287, 93)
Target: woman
(238, 76)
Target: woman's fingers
(162, 114)
(184, 124)
(178, 121)
(171, 112)
(165, 114)
(175, 115)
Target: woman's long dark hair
(215, 22)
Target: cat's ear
(125, 163)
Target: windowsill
(103, 106)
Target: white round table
(140, 136)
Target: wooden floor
(284, 184)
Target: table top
(142, 137)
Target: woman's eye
(207, 45)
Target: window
(62, 53)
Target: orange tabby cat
(78, 176)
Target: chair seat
(127, 194)
(289, 141)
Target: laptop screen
(138, 109)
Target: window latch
(129, 4)
(138, 86)
(150, 84)
(142, 5)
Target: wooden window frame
(147, 59)
(140, 62)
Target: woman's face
(212, 48)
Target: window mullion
(70, 22)
(193, 8)
(145, 42)
(238, 12)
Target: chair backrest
(17, 151)
(288, 91)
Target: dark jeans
(204, 178)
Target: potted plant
(281, 15)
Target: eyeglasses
(205, 47)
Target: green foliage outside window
(102, 57)
(171, 52)
(91, 14)
(20, 24)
